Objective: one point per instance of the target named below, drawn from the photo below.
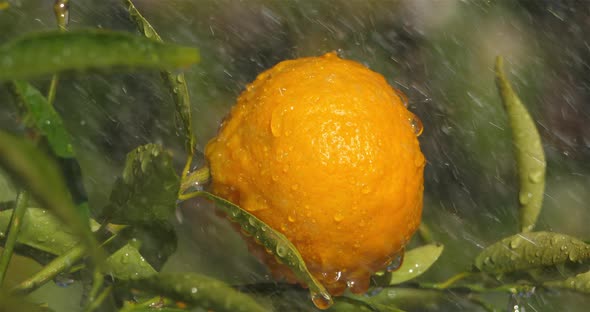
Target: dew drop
(525, 197)
(536, 176)
(252, 221)
(402, 97)
(281, 250)
(322, 300)
(294, 187)
(338, 217)
(291, 218)
(396, 262)
(515, 243)
(416, 125)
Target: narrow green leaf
(127, 264)
(198, 290)
(41, 230)
(531, 250)
(580, 283)
(40, 175)
(529, 151)
(176, 82)
(275, 241)
(148, 189)
(44, 118)
(55, 51)
(416, 262)
(7, 191)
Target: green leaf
(45, 119)
(580, 283)
(148, 189)
(198, 290)
(176, 82)
(55, 51)
(127, 264)
(531, 250)
(38, 173)
(416, 262)
(41, 230)
(7, 191)
(529, 151)
(284, 251)
(156, 242)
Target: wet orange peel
(323, 150)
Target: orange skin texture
(322, 149)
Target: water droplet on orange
(416, 125)
(402, 97)
(338, 217)
(322, 301)
(396, 262)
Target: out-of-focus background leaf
(439, 53)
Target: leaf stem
(51, 270)
(198, 177)
(95, 304)
(449, 282)
(97, 281)
(22, 200)
(425, 233)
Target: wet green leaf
(531, 250)
(156, 242)
(7, 191)
(40, 175)
(580, 283)
(43, 117)
(55, 51)
(176, 82)
(41, 230)
(416, 262)
(530, 156)
(148, 189)
(127, 264)
(198, 290)
(272, 240)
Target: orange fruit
(324, 150)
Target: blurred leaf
(580, 283)
(148, 189)
(156, 242)
(55, 51)
(10, 302)
(416, 262)
(7, 191)
(198, 290)
(284, 251)
(176, 82)
(529, 151)
(41, 230)
(44, 118)
(127, 263)
(531, 250)
(39, 174)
